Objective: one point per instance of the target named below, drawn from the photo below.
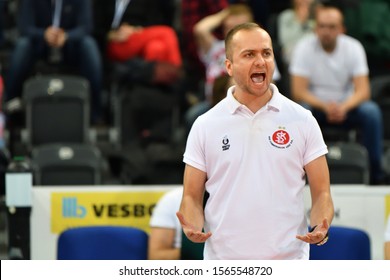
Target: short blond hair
(233, 31)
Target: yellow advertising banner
(387, 205)
(75, 209)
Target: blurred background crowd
(153, 66)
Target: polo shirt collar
(274, 104)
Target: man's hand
(55, 37)
(123, 32)
(335, 113)
(317, 235)
(192, 233)
(61, 38)
(50, 35)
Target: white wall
(362, 207)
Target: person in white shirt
(329, 76)
(251, 153)
(293, 24)
(165, 235)
(387, 239)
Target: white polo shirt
(330, 74)
(255, 176)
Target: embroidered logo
(225, 143)
(280, 138)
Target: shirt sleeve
(194, 154)
(164, 214)
(300, 59)
(315, 144)
(359, 60)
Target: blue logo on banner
(70, 209)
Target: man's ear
(229, 66)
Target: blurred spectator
(140, 29)
(165, 235)
(57, 31)
(192, 11)
(212, 50)
(387, 239)
(261, 10)
(293, 24)
(329, 75)
(220, 88)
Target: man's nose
(259, 60)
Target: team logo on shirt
(225, 143)
(280, 138)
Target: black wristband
(323, 241)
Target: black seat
(4, 161)
(57, 109)
(386, 164)
(348, 163)
(380, 91)
(67, 164)
(145, 113)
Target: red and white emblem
(280, 137)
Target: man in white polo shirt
(329, 74)
(251, 153)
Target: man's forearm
(322, 208)
(192, 212)
(387, 250)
